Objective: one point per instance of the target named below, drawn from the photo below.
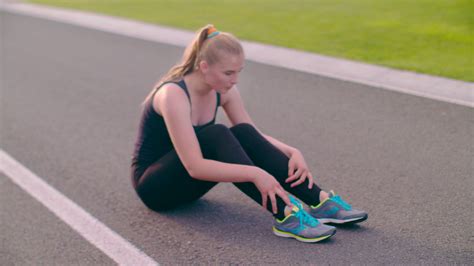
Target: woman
(180, 153)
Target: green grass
(427, 36)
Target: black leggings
(166, 184)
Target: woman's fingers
(291, 169)
(274, 203)
(294, 176)
(284, 196)
(311, 180)
(264, 200)
(301, 180)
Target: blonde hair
(201, 48)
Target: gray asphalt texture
(70, 107)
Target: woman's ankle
(287, 211)
(323, 195)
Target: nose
(234, 80)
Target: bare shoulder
(169, 94)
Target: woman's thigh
(166, 184)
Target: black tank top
(153, 140)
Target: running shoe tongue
(341, 202)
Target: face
(223, 75)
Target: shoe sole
(302, 239)
(338, 221)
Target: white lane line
(433, 87)
(109, 242)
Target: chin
(223, 90)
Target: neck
(196, 84)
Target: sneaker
(337, 211)
(302, 226)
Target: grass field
(427, 36)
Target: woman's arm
(216, 171)
(176, 110)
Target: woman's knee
(215, 129)
(244, 128)
(216, 135)
(247, 134)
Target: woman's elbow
(194, 169)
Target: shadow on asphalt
(349, 227)
(217, 222)
(215, 218)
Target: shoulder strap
(182, 84)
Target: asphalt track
(69, 112)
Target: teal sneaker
(337, 211)
(301, 226)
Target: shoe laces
(303, 216)
(341, 202)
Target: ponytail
(204, 46)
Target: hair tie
(211, 32)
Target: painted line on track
(98, 234)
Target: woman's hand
(298, 163)
(269, 187)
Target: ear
(204, 66)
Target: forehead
(230, 61)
